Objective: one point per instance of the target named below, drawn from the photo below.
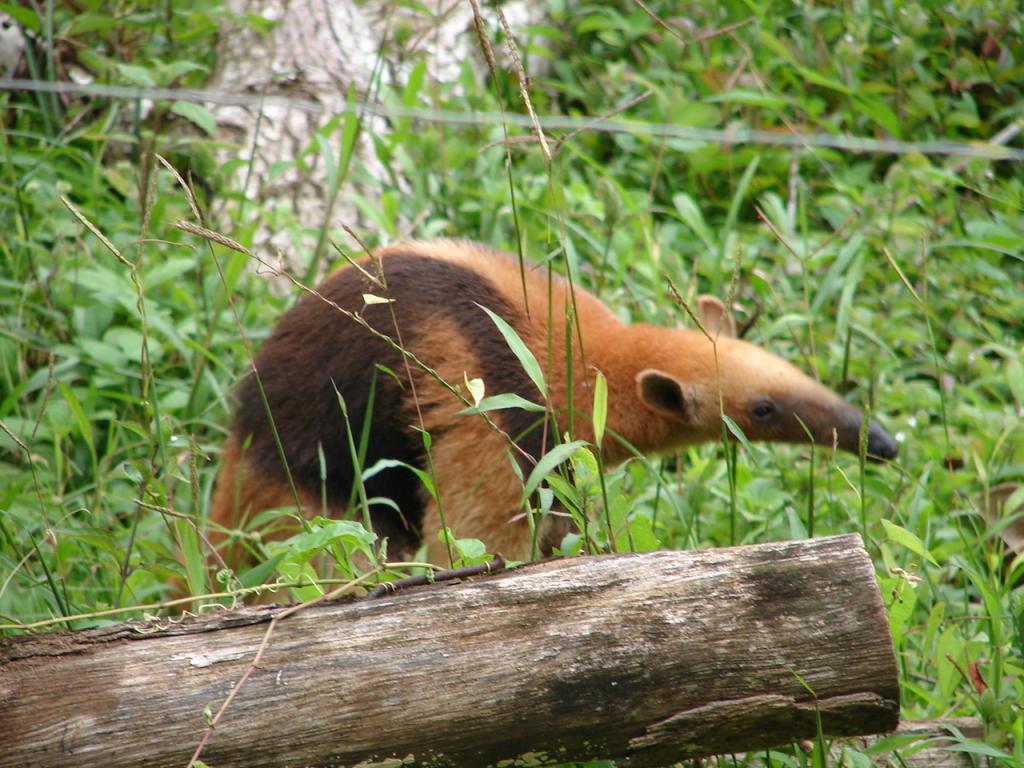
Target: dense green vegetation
(897, 278)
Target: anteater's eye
(763, 410)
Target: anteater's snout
(881, 445)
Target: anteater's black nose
(881, 445)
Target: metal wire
(990, 150)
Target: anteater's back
(318, 355)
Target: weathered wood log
(648, 659)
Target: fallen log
(647, 659)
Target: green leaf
(739, 196)
(979, 748)
(175, 69)
(383, 464)
(195, 559)
(96, 62)
(173, 269)
(825, 82)
(880, 113)
(773, 43)
(548, 462)
(900, 599)
(327, 153)
(990, 597)
(469, 551)
(294, 571)
(414, 84)
(302, 546)
(894, 742)
(196, 114)
(520, 350)
(135, 74)
(735, 431)
(641, 530)
(948, 649)
(349, 130)
(999, 236)
(261, 572)
(907, 540)
(748, 97)
(1015, 379)
(105, 355)
(83, 422)
(502, 402)
(25, 17)
(691, 215)
(600, 415)
(262, 25)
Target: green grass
(896, 278)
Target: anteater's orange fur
(666, 388)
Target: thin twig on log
(453, 574)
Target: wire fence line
(993, 149)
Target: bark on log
(647, 659)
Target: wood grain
(648, 659)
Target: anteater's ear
(663, 394)
(715, 317)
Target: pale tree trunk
(322, 54)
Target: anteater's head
(767, 397)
